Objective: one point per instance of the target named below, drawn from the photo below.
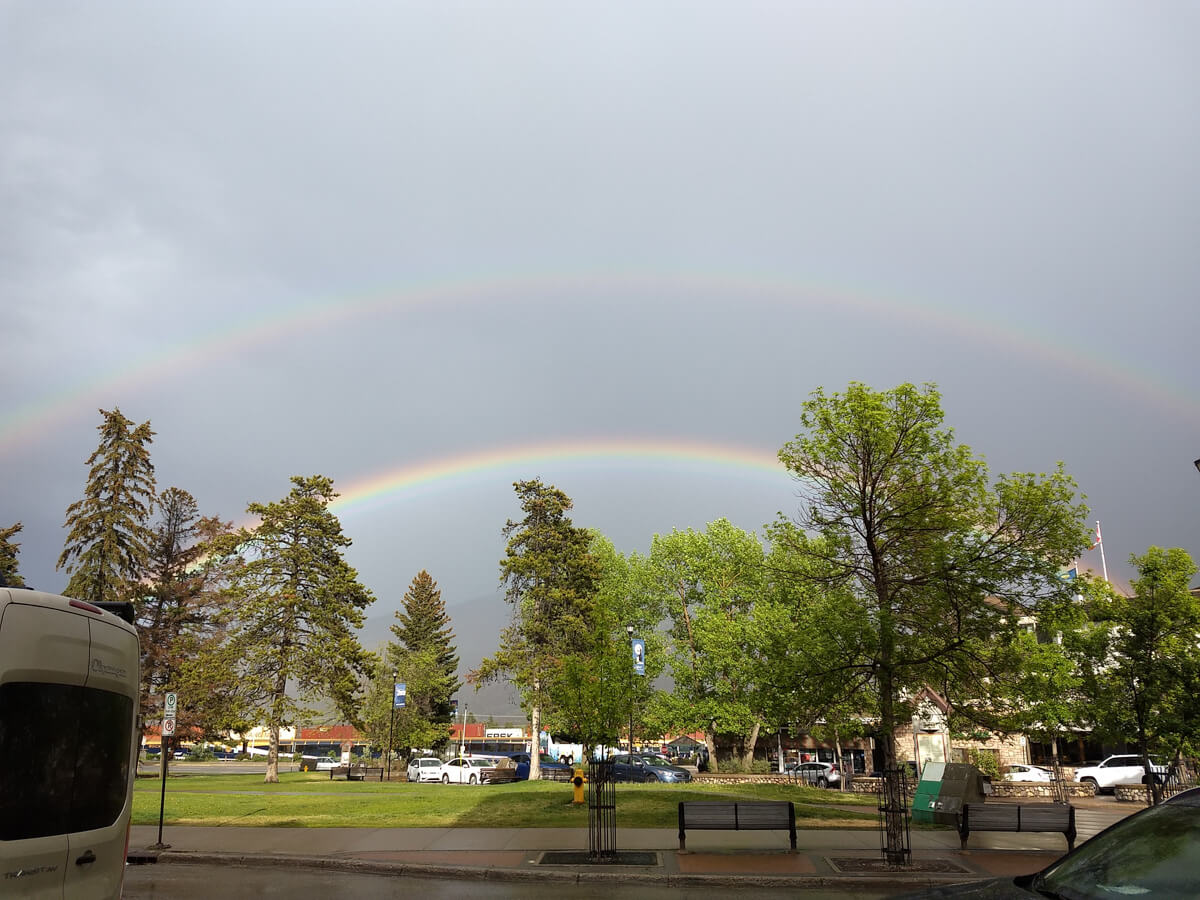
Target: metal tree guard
(894, 842)
(602, 812)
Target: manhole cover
(874, 866)
(581, 858)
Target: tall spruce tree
(424, 627)
(180, 612)
(298, 603)
(8, 557)
(107, 547)
(551, 579)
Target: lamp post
(629, 631)
(391, 725)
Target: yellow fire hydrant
(578, 781)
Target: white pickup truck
(1126, 769)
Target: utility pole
(629, 631)
(391, 725)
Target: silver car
(821, 774)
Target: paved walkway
(824, 857)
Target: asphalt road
(189, 882)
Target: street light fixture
(629, 631)
(1197, 465)
(391, 725)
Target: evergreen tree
(297, 603)
(424, 628)
(8, 557)
(551, 579)
(180, 613)
(107, 547)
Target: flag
(1096, 543)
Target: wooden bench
(356, 773)
(1016, 817)
(751, 815)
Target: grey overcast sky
(427, 249)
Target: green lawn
(312, 800)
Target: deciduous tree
(712, 586)
(936, 558)
(108, 542)
(1144, 651)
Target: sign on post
(399, 690)
(639, 656)
(170, 707)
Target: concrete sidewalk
(824, 857)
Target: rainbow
(37, 418)
(384, 487)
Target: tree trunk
(748, 749)
(535, 728)
(710, 743)
(272, 756)
(837, 749)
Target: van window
(64, 758)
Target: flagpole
(1100, 543)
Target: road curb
(896, 881)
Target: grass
(312, 800)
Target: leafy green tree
(8, 557)
(423, 627)
(108, 544)
(596, 693)
(713, 588)
(298, 601)
(550, 578)
(1144, 651)
(181, 613)
(409, 726)
(937, 561)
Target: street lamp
(629, 631)
(391, 725)
(1197, 465)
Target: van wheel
(472, 779)
(822, 782)
(445, 779)
(1092, 782)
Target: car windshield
(1149, 855)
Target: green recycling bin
(944, 788)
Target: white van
(68, 716)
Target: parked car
(551, 768)
(635, 767)
(424, 768)
(821, 774)
(1123, 769)
(324, 765)
(1022, 772)
(473, 770)
(1152, 853)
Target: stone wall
(1001, 790)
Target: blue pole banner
(399, 689)
(639, 656)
